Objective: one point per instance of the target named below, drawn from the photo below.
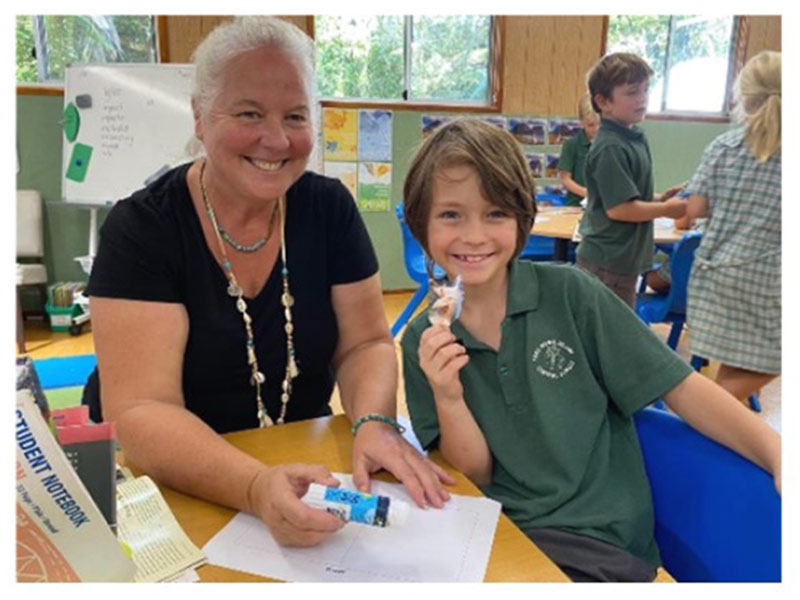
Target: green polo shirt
(555, 404)
(573, 160)
(618, 169)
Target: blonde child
(572, 162)
(734, 296)
(532, 390)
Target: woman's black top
(152, 248)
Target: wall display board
(125, 125)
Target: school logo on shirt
(553, 359)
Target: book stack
(61, 534)
(62, 294)
(90, 449)
(72, 498)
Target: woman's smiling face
(257, 132)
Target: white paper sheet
(450, 544)
(188, 576)
(663, 223)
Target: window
(423, 59)
(690, 54)
(47, 44)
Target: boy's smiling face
(467, 234)
(627, 104)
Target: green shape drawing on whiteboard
(79, 163)
(72, 122)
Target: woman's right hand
(441, 359)
(274, 496)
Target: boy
(572, 162)
(617, 229)
(531, 391)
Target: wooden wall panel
(515, 59)
(545, 62)
(764, 34)
(185, 32)
(537, 89)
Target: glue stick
(357, 507)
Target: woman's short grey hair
(241, 35)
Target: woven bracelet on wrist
(377, 417)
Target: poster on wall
(552, 165)
(374, 186)
(432, 122)
(375, 135)
(340, 131)
(556, 131)
(570, 128)
(499, 122)
(536, 163)
(528, 131)
(345, 172)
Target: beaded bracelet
(377, 417)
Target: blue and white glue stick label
(355, 506)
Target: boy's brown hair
(504, 174)
(615, 69)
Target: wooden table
(560, 223)
(328, 441)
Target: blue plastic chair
(718, 516)
(671, 307)
(538, 247)
(414, 259)
(552, 198)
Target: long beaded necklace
(235, 290)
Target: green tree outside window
(690, 55)
(47, 44)
(388, 57)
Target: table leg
(560, 250)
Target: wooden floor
(42, 343)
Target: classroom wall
(545, 54)
(545, 60)
(184, 32)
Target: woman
(734, 296)
(227, 294)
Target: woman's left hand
(378, 446)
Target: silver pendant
(234, 290)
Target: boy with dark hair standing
(617, 230)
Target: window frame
(497, 30)
(736, 56)
(55, 89)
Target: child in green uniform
(617, 229)
(531, 390)
(572, 162)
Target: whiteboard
(135, 120)
(139, 124)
